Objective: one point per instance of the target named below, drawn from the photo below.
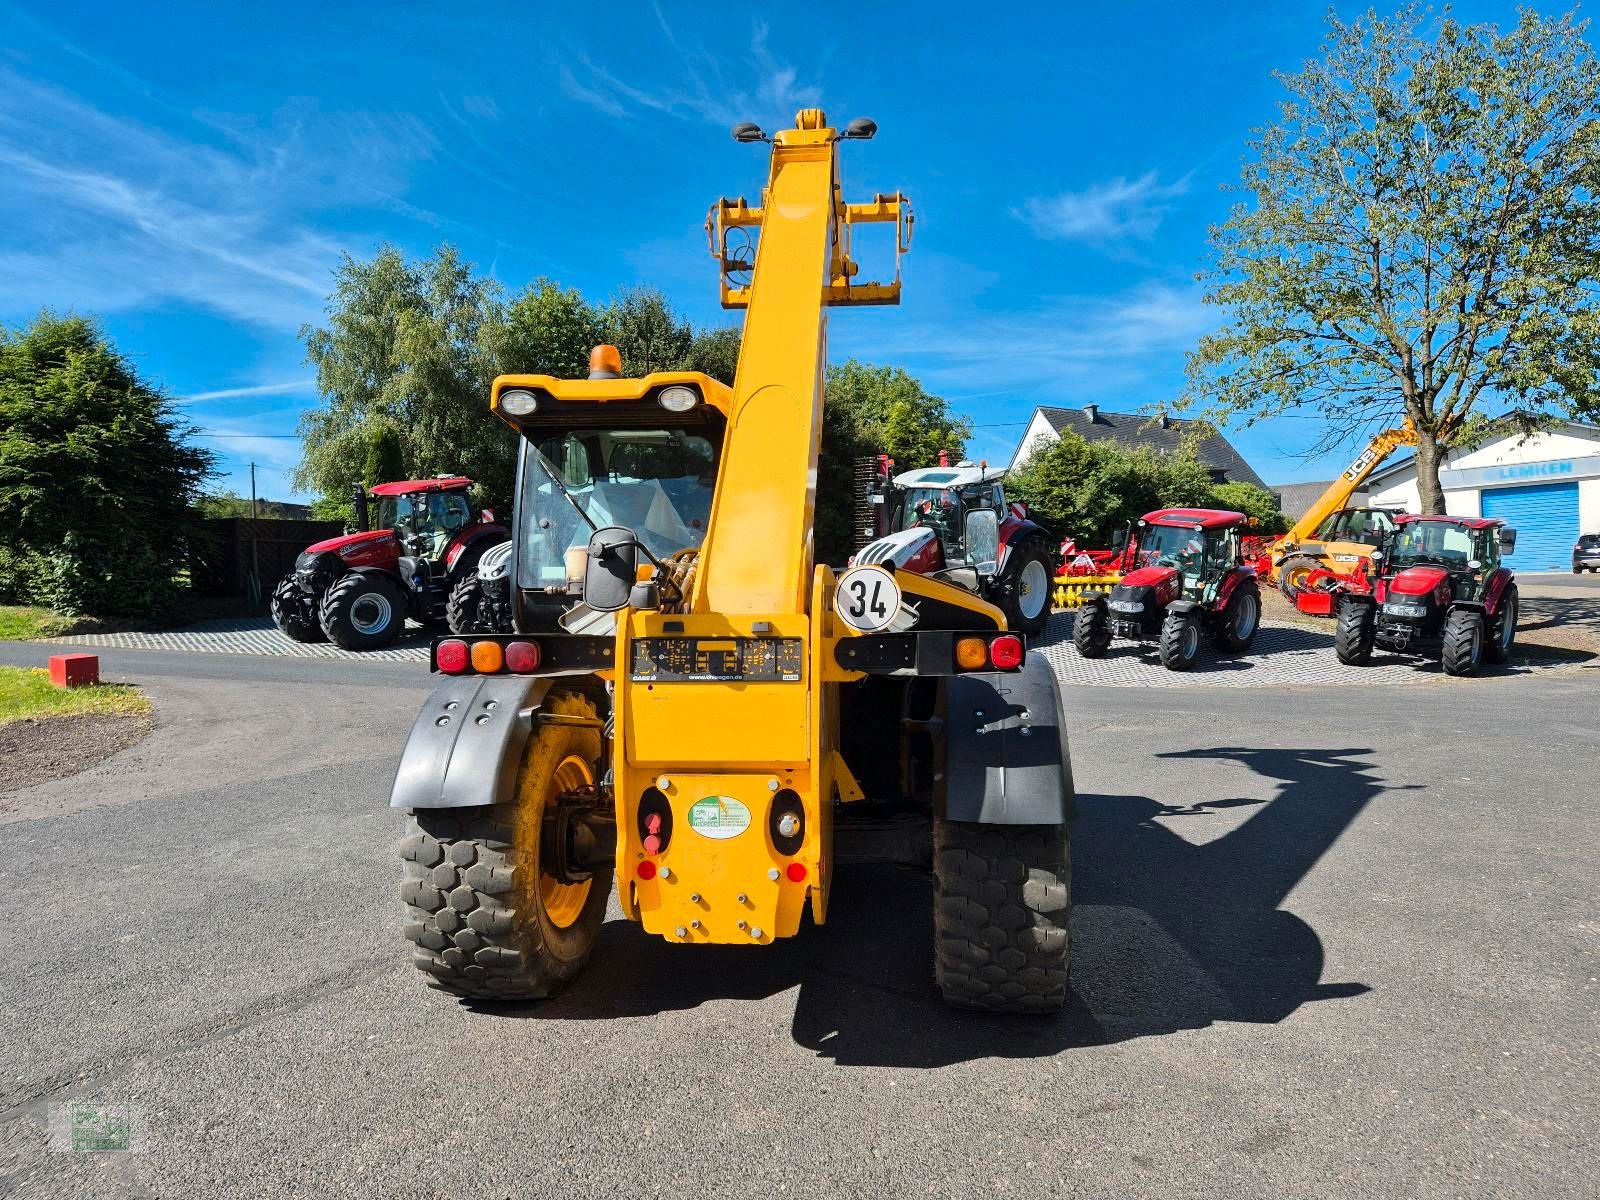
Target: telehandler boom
(723, 714)
(1328, 536)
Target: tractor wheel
(1352, 638)
(1002, 903)
(1180, 640)
(294, 611)
(363, 612)
(1236, 628)
(1027, 601)
(1503, 629)
(463, 612)
(1292, 573)
(488, 920)
(1463, 641)
(1091, 629)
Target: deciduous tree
(1421, 236)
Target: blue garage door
(1545, 517)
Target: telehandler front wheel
(488, 917)
(1002, 902)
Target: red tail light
(522, 657)
(452, 657)
(796, 872)
(1005, 652)
(647, 870)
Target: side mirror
(611, 569)
(1508, 540)
(983, 541)
(1119, 540)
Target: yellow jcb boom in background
(1329, 536)
(721, 719)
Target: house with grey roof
(1163, 434)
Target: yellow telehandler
(722, 719)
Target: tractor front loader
(720, 718)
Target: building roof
(1163, 434)
(1294, 499)
(1465, 522)
(1409, 462)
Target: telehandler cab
(718, 709)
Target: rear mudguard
(464, 747)
(1182, 607)
(1006, 755)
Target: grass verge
(20, 623)
(27, 693)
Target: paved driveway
(1328, 942)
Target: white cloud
(256, 389)
(1117, 210)
(719, 88)
(102, 213)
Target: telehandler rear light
(487, 657)
(646, 870)
(972, 654)
(453, 657)
(522, 657)
(1006, 652)
(796, 872)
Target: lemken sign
(1554, 470)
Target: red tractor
(928, 523)
(357, 590)
(1184, 577)
(1437, 588)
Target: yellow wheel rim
(1298, 577)
(563, 902)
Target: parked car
(1586, 554)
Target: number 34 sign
(867, 599)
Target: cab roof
(407, 487)
(1206, 518)
(963, 474)
(1464, 522)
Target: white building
(1546, 486)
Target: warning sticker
(719, 817)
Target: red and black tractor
(1185, 578)
(357, 590)
(927, 520)
(1437, 589)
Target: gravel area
(37, 751)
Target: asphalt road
(1335, 942)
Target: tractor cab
(1439, 589)
(954, 523)
(1184, 578)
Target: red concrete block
(74, 670)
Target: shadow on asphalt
(1167, 935)
(1270, 640)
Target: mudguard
(465, 744)
(1006, 755)
(1180, 607)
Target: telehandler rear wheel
(1002, 901)
(489, 919)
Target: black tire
(1463, 641)
(1236, 628)
(363, 611)
(294, 610)
(1502, 631)
(1026, 598)
(463, 611)
(1091, 628)
(1180, 640)
(1001, 912)
(1292, 569)
(1354, 634)
(477, 906)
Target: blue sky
(190, 174)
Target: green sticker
(719, 817)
